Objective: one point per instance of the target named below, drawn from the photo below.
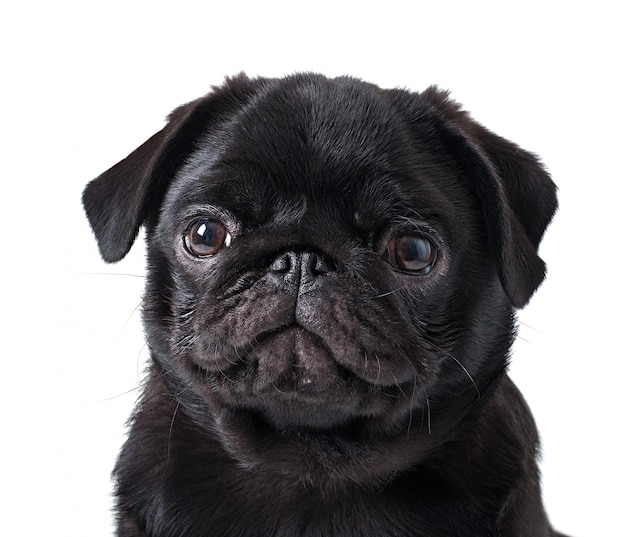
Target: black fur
(302, 383)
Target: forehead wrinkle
(291, 211)
(283, 155)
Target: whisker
(390, 292)
(430, 431)
(223, 373)
(143, 348)
(529, 327)
(412, 405)
(467, 373)
(127, 392)
(277, 389)
(113, 274)
(127, 321)
(399, 386)
(169, 435)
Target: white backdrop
(85, 83)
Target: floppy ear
(119, 200)
(517, 196)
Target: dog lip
(294, 362)
(291, 377)
(288, 327)
(242, 353)
(316, 357)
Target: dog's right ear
(118, 201)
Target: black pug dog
(333, 270)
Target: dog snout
(300, 269)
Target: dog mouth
(291, 379)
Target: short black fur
(303, 383)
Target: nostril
(318, 265)
(301, 267)
(283, 263)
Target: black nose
(300, 268)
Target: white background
(85, 83)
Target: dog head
(331, 265)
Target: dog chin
(314, 454)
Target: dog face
(330, 264)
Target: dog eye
(206, 237)
(411, 252)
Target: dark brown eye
(205, 237)
(412, 252)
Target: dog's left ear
(518, 197)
